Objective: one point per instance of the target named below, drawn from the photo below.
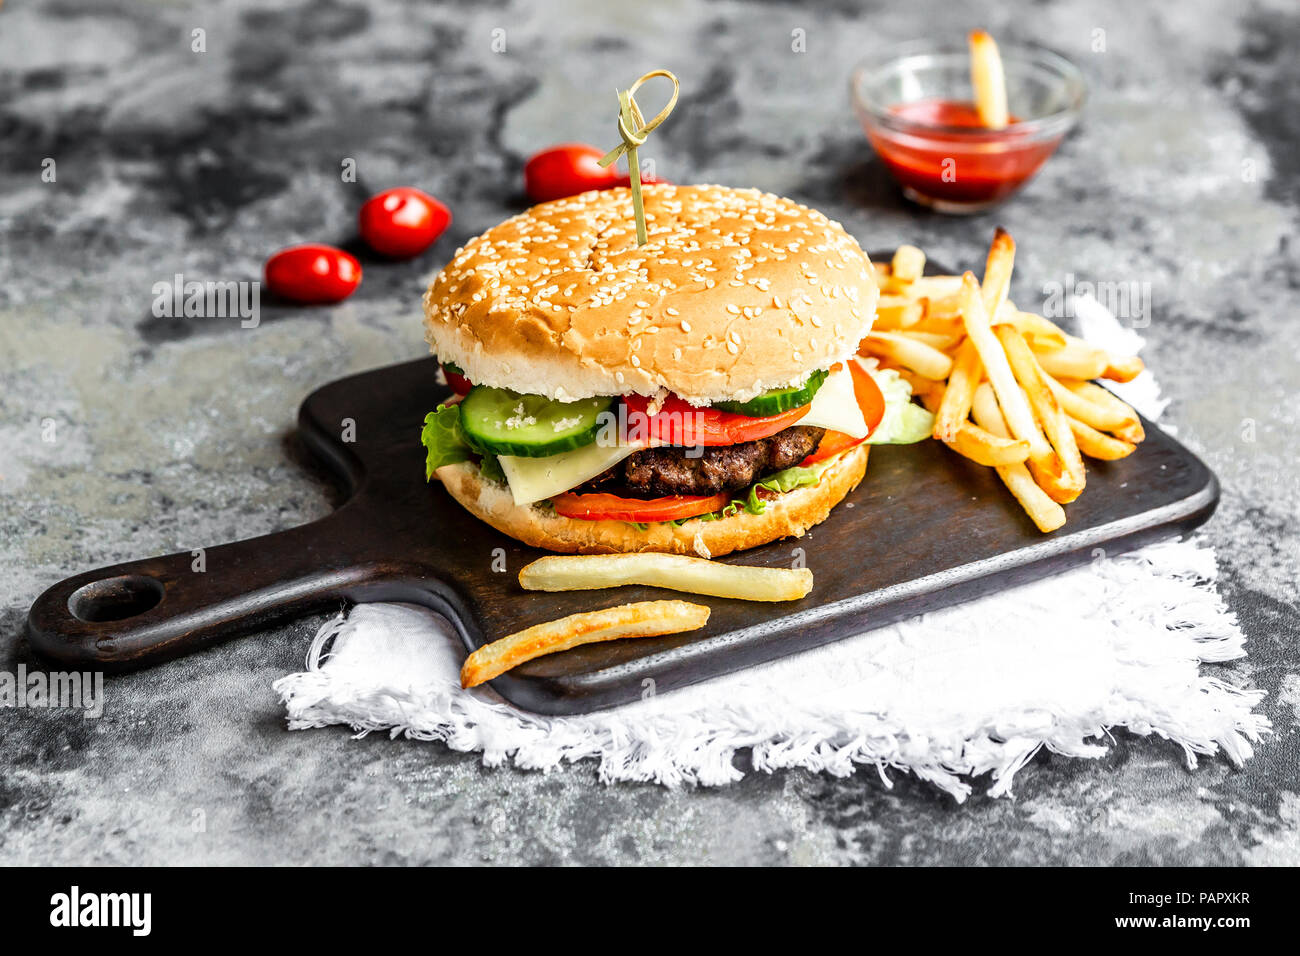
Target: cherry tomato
(567, 170)
(598, 507)
(872, 404)
(571, 169)
(402, 222)
(680, 423)
(312, 274)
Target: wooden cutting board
(925, 529)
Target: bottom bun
(789, 515)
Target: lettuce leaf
(443, 439)
(905, 422)
(783, 481)
(491, 469)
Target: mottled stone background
(174, 434)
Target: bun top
(736, 291)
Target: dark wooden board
(925, 529)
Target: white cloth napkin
(952, 695)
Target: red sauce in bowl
(949, 156)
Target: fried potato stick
(1049, 414)
(675, 571)
(646, 619)
(1012, 401)
(1046, 514)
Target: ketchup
(954, 158)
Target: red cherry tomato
(571, 169)
(680, 423)
(872, 404)
(402, 222)
(599, 507)
(566, 171)
(312, 274)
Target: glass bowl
(945, 161)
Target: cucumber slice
(777, 400)
(504, 422)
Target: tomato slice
(872, 403)
(458, 383)
(600, 506)
(680, 423)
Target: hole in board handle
(115, 599)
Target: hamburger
(696, 394)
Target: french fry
(933, 287)
(1042, 334)
(1095, 414)
(936, 340)
(985, 448)
(1123, 369)
(1012, 401)
(898, 313)
(917, 356)
(997, 271)
(1095, 444)
(1075, 359)
(1131, 430)
(973, 442)
(674, 571)
(989, 81)
(645, 619)
(908, 264)
(960, 392)
(1048, 411)
(1046, 514)
(950, 326)
(945, 307)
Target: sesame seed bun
(736, 292)
(788, 515)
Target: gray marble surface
(177, 433)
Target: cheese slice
(836, 407)
(535, 479)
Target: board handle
(144, 612)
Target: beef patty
(672, 471)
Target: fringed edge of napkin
(689, 749)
